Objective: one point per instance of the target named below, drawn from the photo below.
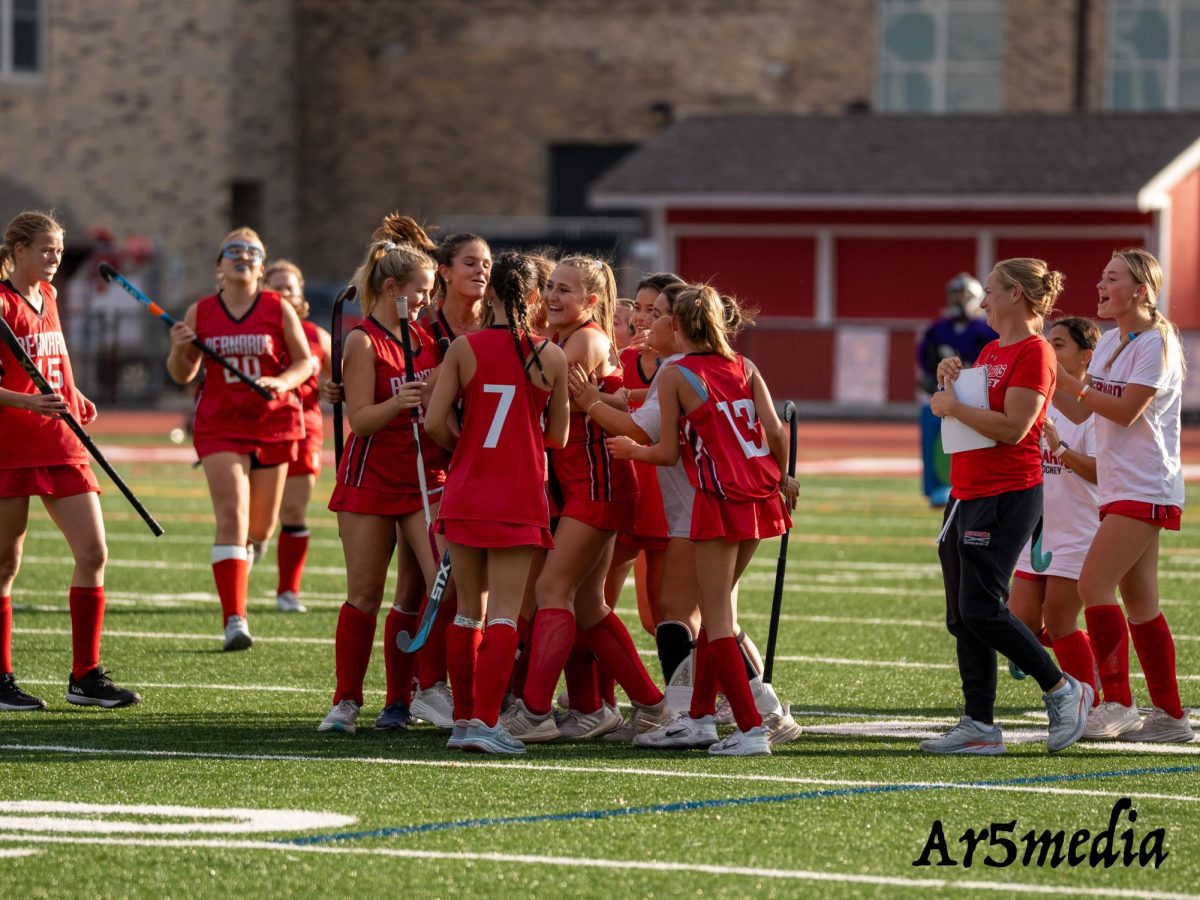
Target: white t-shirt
(1140, 462)
(677, 492)
(1070, 504)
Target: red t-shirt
(498, 468)
(227, 407)
(1029, 363)
(310, 396)
(29, 438)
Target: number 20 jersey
(27, 438)
(724, 450)
(226, 406)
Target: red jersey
(310, 397)
(498, 469)
(584, 469)
(29, 438)
(651, 520)
(1029, 363)
(387, 459)
(227, 407)
(722, 443)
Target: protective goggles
(237, 251)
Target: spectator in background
(962, 331)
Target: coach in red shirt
(997, 499)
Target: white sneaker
(743, 743)
(237, 634)
(1110, 720)
(683, 732)
(679, 689)
(342, 717)
(780, 725)
(481, 738)
(289, 602)
(435, 705)
(1068, 710)
(528, 727)
(968, 737)
(457, 733)
(647, 718)
(578, 726)
(1160, 728)
(624, 732)
(724, 713)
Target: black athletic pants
(978, 554)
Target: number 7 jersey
(724, 449)
(226, 406)
(28, 438)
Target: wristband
(1083, 393)
(1063, 447)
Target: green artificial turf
(841, 812)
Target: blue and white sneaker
(458, 731)
(968, 737)
(1068, 710)
(343, 717)
(495, 739)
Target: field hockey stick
(406, 644)
(39, 380)
(789, 416)
(1037, 559)
(109, 274)
(411, 375)
(335, 330)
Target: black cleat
(97, 689)
(13, 699)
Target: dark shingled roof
(893, 155)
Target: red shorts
(264, 453)
(49, 481)
(729, 520)
(1167, 517)
(1028, 576)
(308, 459)
(603, 515)
(494, 535)
(374, 502)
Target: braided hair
(514, 279)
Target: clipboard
(971, 387)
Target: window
(22, 38)
(1154, 54)
(246, 205)
(572, 169)
(940, 55)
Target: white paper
(971, 388)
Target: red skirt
(49, 481)
(264, 453)
(714, 518)
(1168, 517)
(308, 459)
(374, 502)
(494, 535)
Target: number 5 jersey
(28, 438)
(227, 407)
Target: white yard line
(617, 865)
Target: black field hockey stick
(789, 416)
(335, 331)
(39, 380)
(109, 274)
(410, 374)
(407, 644)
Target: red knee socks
(398, 665)
(612, 645)
(291, 555)
(5, 635)
(493, 666)
(431, 658)
(704, 680)
(352, 652)
(726, 657)
(1109, 635)
(462, 646)
(231, 576)
(550, 645)
(1075, 656)
(1156, 652)
(87, 617)
(583, 686)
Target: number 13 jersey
(28, 438)
(724, 450)
(226, 406)
(498, 470)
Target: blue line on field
(689, 805)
